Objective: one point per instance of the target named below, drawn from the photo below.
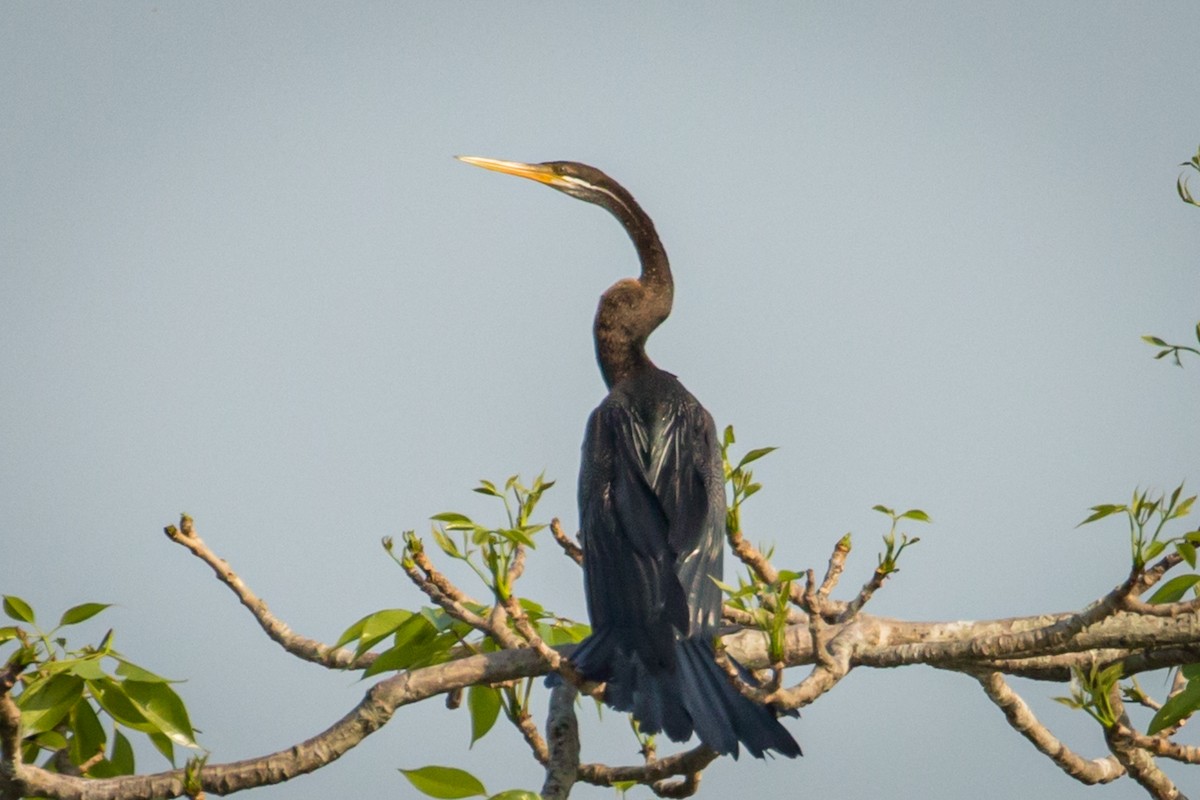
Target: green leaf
(455, 521)
(915, 514)
(564, 633)
(380, 625)
(445, 782)
(1153, 549)
(788, 575)
(1102, 511)
(488, 488)
(88, 736)
(163, 708)
(351, 633)
(484, 704)
(51, 740)
(1184, 508)
(112, 698)
(884, 510)
(518, 536)
(77, 614)
(755, 455)
(8, 632)
(18, 609)
(1154, 340)
(163, 745)
(728, 439)
(131, 671)
(1187, 551)
(122, 755)
(1173, 590)
(1176, 708)
(516, 794)
(447, 544)
(50, 700)
(90, 669)
(533, 608)
(415, 640)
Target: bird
(651, 509)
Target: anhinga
(651, 510)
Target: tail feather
(690, 695)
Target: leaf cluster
(1148, 515)
(434, 635)
(889, 559)
(766, 604)
(740, 479)
(418, 638)
(490, 552)
(76, 703)
(1091, 691)
(1172, 350)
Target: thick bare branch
(562, 731)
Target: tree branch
(834, 637)
(573, 551)
(562, 731)
(299, 646)
(1021, 718)
(1139, 763)
(372, 713)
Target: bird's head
(570, 177)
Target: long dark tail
(691, 695)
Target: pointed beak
(535, 172)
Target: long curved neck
(632, 308)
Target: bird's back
(652, 484)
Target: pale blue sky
(915, 247)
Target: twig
(533, 737)
(837, 562)
(1162, 746)
(1137, 606)
(442, 591)
(685, 763)
(878, 577)
(573, 551)
(299, 646)
(686, 786)
(759, 565)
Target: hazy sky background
(915, 245)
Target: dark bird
(651, 510)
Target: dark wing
(632, 591)
(691, 486)
(652, 509)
